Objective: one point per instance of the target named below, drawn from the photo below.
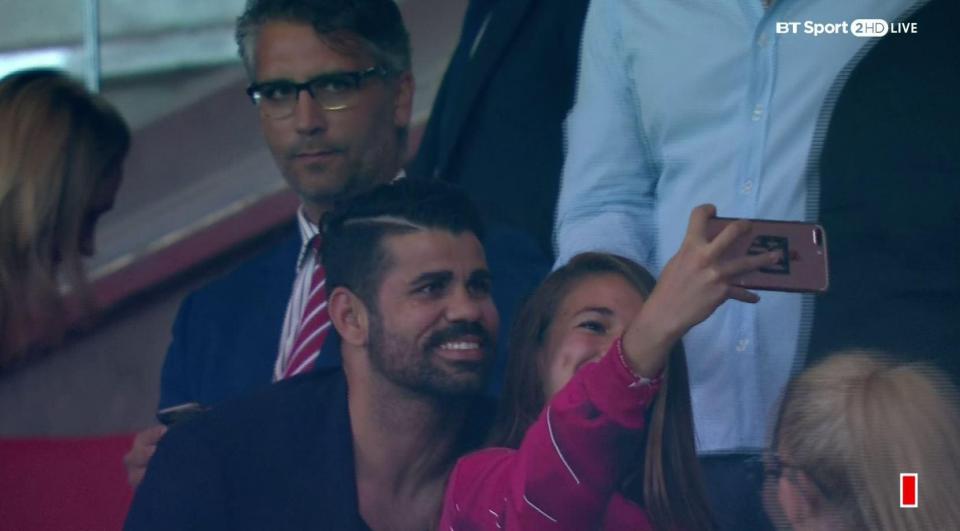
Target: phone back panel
(804, 266)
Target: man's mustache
(311, 148)
(457, 331)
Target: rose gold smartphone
(803, 266)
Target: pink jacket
(564, 474)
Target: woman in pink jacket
(610, 444)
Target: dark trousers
(734, 484)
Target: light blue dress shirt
(681, 103)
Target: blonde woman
(61, 157)
(848, 428)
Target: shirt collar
(309, 230)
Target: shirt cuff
(615, 391)
(636, 379)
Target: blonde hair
(57, 141)
(857, 420)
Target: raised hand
(693, 284)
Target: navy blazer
(496, 127)
(278, 459)
(227, 334)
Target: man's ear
(349, 316)
(403, 104)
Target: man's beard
(354, 179)
(418, 369)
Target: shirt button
(742, 345)
(762, 40)
(747, 187)
(757, 112)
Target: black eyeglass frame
(358, 77)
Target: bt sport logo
(861, 27)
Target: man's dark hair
(377, 22)
(352, 251)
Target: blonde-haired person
(61, 156)
(848, 427)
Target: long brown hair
(855, 421)
(57, 141)
(665, 478)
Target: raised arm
(694, 283)
(565, 471)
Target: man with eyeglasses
(331, 82)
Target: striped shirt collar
(309, 230)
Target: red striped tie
(314, 324)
